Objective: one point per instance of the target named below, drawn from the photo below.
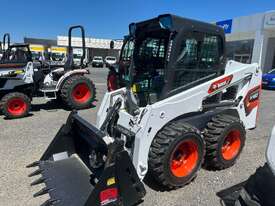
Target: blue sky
(110, 18)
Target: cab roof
(177, 24)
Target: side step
(49, 95)
(49, 92)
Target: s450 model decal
(252, 99)
(220, 84)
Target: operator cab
(172, 54)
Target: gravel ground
(22, 141)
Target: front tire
(225, 139)
(176, 155)
(15, 105)
(78, 92)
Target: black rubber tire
(4, 104)
(162, 147)
(215, 134)
(67, 89)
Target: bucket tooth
(34, 164)
(36, 172)
(38, 181)
(41, 192)
(49, 202)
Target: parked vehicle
(110, 61)
(185, 105)
(57, 53)
(97, 61)
(268, 80)
(78, 54)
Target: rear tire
(15, 105)
(225, 139)
(78, 92)
(176, 155)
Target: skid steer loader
(259, 189)
(21, 79)
(184, 106)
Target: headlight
(273, 79)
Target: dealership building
(94, 46)
(251, 39)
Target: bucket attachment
(258, 190)
(71, 177)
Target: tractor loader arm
(71, 179)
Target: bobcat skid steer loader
(184, 106)
(259, 189)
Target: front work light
(132, 29)
(165, 21)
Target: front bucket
(258, 190)
(70, 180)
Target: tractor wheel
(225, 139)
(15, 105)
(176, 155)
(78, 92)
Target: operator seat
(69, 64)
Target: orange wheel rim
(232, 145)
(16, 106)
(81, 93)
(184, 158)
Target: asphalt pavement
(23, 141)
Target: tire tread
(212, 135)
(161, 143)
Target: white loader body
(153, 117)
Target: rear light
(252, 99)
(108, 196)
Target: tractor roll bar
(70, 50)
(6, 39)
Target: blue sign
(226, 25)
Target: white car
(110, 60)
(97, 61)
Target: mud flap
(69, 178)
